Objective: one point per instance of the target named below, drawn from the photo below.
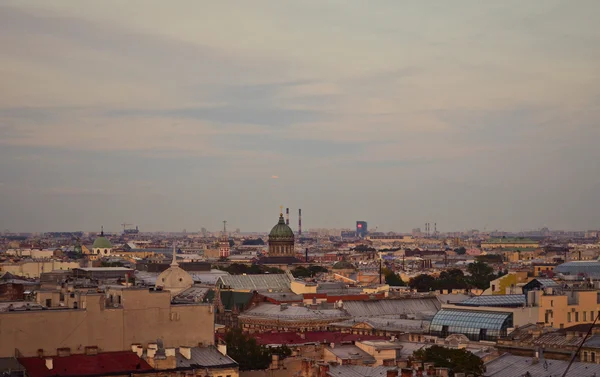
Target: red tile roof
(311, 337)
(83, 365)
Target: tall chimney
(299, 222)
(287, 216)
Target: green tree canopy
(423, 283)
(307, 272)
(457, 360)
(481, 274)
(392, 278)
(244, 349)
(461, 250)
(452, 279)
(239, 269)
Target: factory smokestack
(299, 222)
(287, 216)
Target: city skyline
(476, 115)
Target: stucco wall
(143, 318)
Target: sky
(181, 114)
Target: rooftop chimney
(90, 351)
(62, 352)
(323, 370)
(49, 363)
(287, 216)
(392, 373)
(186, 352)
(406, 372)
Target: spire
(281, 211)
(174, 262)
(102, 231)
(224, 226)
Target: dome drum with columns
(281, 239)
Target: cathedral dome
(102, 242)
(281, 231)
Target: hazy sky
(181, 114)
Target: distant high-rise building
(361, 229)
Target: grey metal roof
(388, 324)
(548, 282)
(204, 357)
(261, 282)
(267, 310)
(10, 364)
(358, 371)
(593, 342)
(587, 268)
(509, 365)
(392, 307)
(495, 300)
(351, 352)
(193, 294)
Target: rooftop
(205, 357)
(291, 313)
(358, 371)
(374, 308)
(495, 301)
(507, 364)
(324, 337)
(351, 352)
(262, 282)
(83, 365)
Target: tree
(461, 250)
(244, 349)
(423, 283)
(363, 248)
(253, 242)
(307, 272)
(481, 274)
(457, 360)
(489, 258)
(452, 279)
(392, 278)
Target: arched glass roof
(476, 325)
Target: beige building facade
(112, 321)
(33, 269)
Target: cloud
(350, 100)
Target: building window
(585, 356)
(593, 354)
(48, 302)
(584, 316)
(592, 315)
(551, 302)
(576, 316)
(568, 316)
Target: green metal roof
(281, 230)
(102, 242)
